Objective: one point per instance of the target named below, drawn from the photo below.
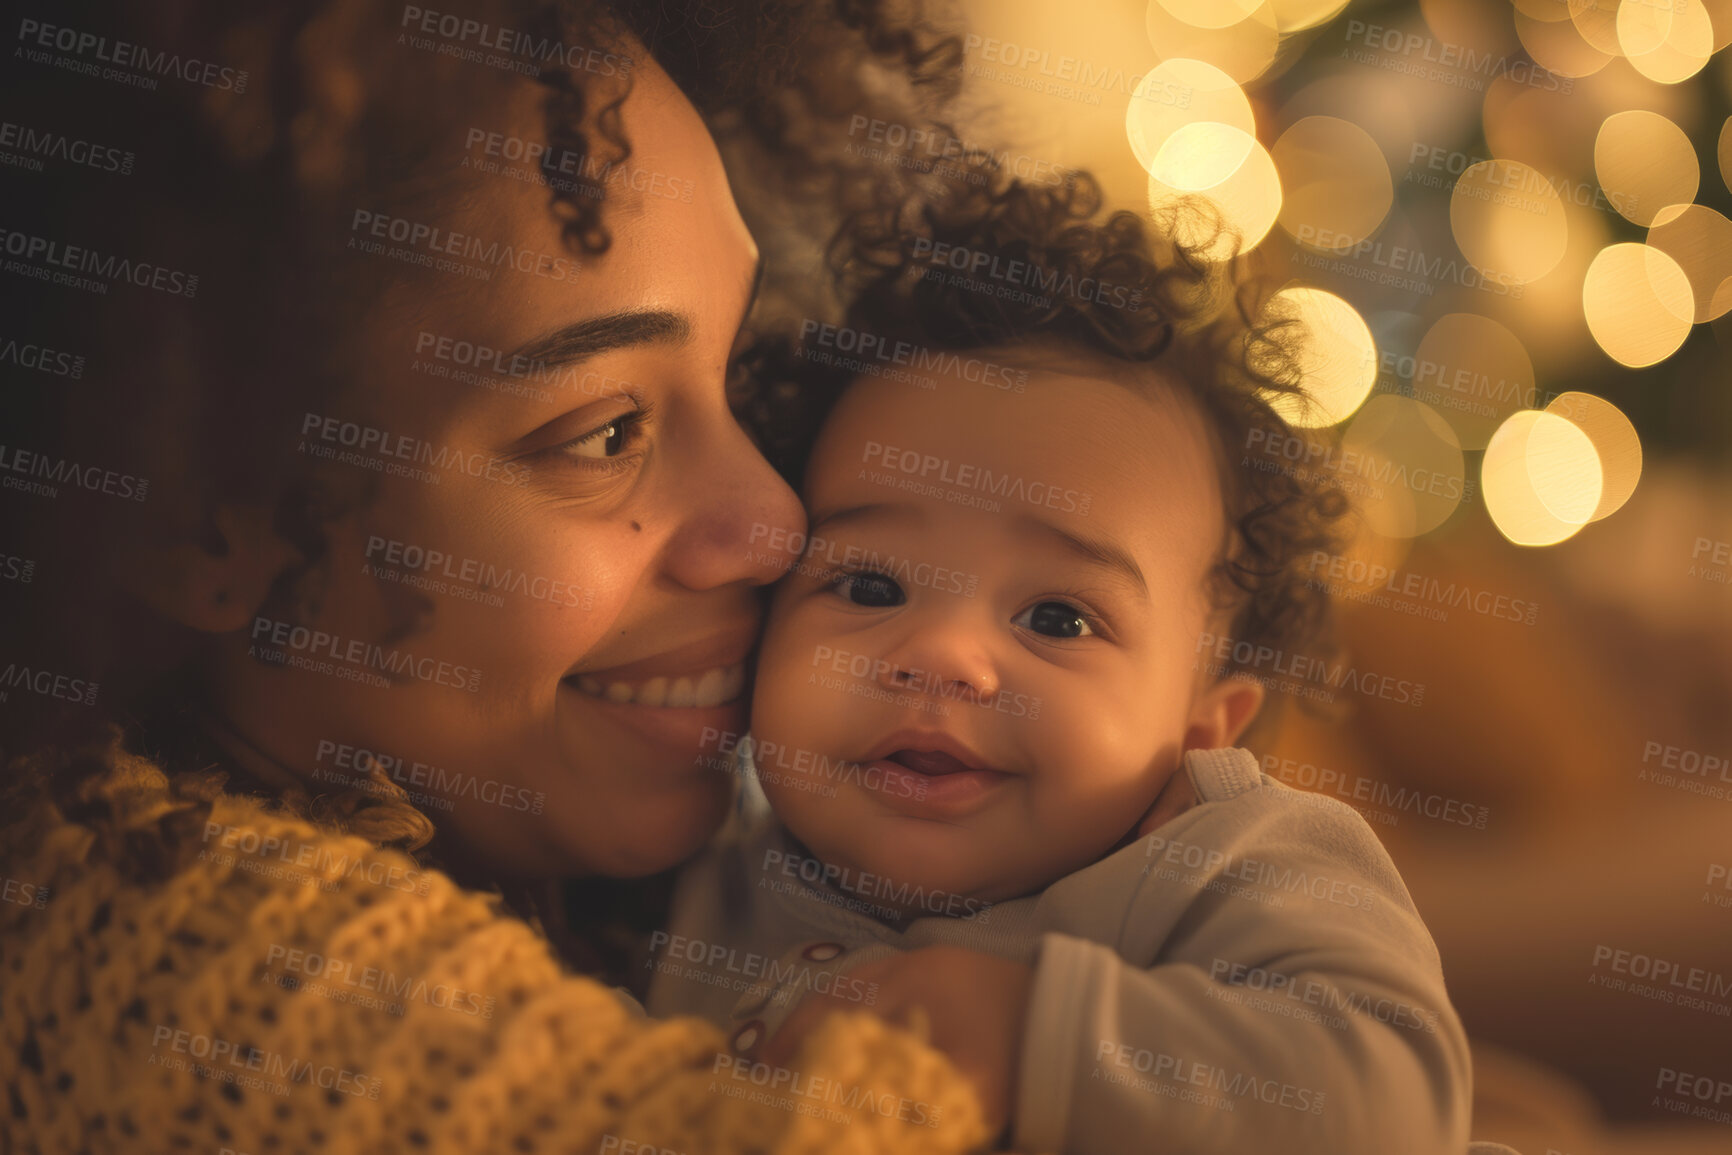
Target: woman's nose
(742, 522)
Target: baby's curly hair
(1062, 277)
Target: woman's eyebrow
(582, 340)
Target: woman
(398, 508)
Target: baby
(977, 697)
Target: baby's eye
(868, 589)
(1054, 620)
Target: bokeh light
(1615, 442)
(1596, 21)
(1559, 46)
(1645, 164)
(1411, 475)
(1214, 187)
(1336, 187)
(1475, 373)
(1700, 240)
(1178, 92)
(1210, 13)
(1638, 304)
(1635, 28)
(1541, 478)
(1508, 220)
(1685, 43)
(1723, 149)
(1243, 49)
(1332, 347)
(1543, 9)
(1298, 15)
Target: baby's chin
(913, 866)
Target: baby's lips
(933, 763)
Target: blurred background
(1502, 230)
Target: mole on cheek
(636, 527)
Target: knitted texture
(291, 989)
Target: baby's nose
(945, 661)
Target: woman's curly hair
(1002, 262)
(251, 182)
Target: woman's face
(559, 575)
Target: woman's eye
(608, 441)
(868, 589)
(1054, 620)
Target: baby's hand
(975, 1002)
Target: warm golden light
(1638, 304)
(1724, 150)
(1559, 47)
(1334, 352)
(1645, 164)
(1215, 189)
(1549, 10)
(1243, 49)
(1412, 476)
(1210, 13)
(1541, 478)
(1178, 92)
(1335, 183)
(1688, 40)
(1700, 240)
(1474, 372)
(1509, 221)
(1298, 15)
(1615, 441)
(1597, 23)
(1639, 28)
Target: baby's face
(996, 620)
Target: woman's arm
(290, 989)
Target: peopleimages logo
(273, 638)
(913, 682)
(56, 262)
(230, 1062)
(28, 147)
(22, 466)
(1233, 1086)
(500, 47)
(27, 355)
(928, 470)
(898, 896)
(127, 62)
(300, 968)
(399, 453)
(822, 557)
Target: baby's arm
(1273, 989)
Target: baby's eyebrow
(1105, 554)
(849, 513)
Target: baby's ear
(1221, 711)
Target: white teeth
(708, 691)
(710, 688)
(682, 693)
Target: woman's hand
(975, 1003)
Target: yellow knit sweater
(295, 990)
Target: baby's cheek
(787, 689)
